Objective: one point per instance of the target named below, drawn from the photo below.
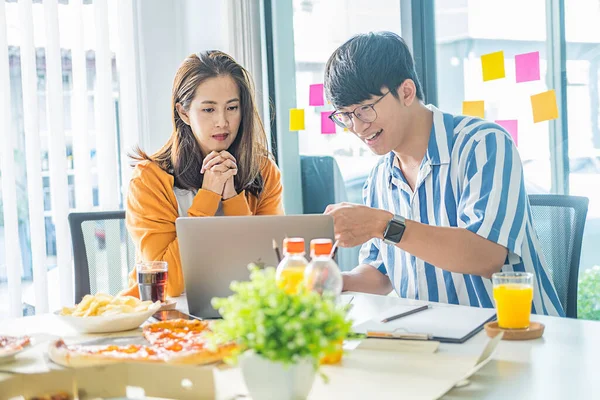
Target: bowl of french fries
(102, 313)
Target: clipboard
(445, 323)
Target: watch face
(394, 231)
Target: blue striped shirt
(471, 177)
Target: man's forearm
(450, 248)
(366, 279)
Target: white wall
(168, 31)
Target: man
(446, 205)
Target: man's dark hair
(360, 67)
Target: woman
(216, 162)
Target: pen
(277, 253)
(404, 314)
(334, 249)
(391, 335)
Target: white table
(562, 365)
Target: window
(319, 28)
(583, 108)
(83, 54)
(466, 30)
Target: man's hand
(355, 224)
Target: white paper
(442, 321)
(346, 299)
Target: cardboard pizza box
(30, 385)
(115, 381)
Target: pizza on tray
(12, 344)
(175, 342)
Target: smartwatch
(394, 230)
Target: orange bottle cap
(320, 247)
(293, 245)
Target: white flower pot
(266, 379)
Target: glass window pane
(14, 37)
(319, 28)
(466, 30)
(583, 108)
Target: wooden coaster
(170, 304)
(534, 331)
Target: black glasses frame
(349, 114)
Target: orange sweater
(152, 210)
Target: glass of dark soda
(152, 280)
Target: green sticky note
(296, 119)
(493, 66)
(474, 108)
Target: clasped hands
(219, 169)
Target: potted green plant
(281, 336)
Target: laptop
(217, 250)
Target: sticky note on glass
(493, 66)
(327, 125)
(527, 67)
(316, 95)
(473, 108)
(296, 119)
(544, 106)
(512, 127)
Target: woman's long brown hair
(181, 155)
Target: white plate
(109, 323)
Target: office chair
(103, 252)
(559, 221)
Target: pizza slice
(173, 342)
(83, 356)
(12, 344)
(178, 334)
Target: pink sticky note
(327, 125)
(512, 127)
(316, 95)
(528, 67)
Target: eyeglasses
(366, 113)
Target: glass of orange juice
(513, 293)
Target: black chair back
(559, 221)
(102, 250)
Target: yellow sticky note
(493, 66)
(296, 119)
(544, 106)
(474, 108)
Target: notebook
(442, 322)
